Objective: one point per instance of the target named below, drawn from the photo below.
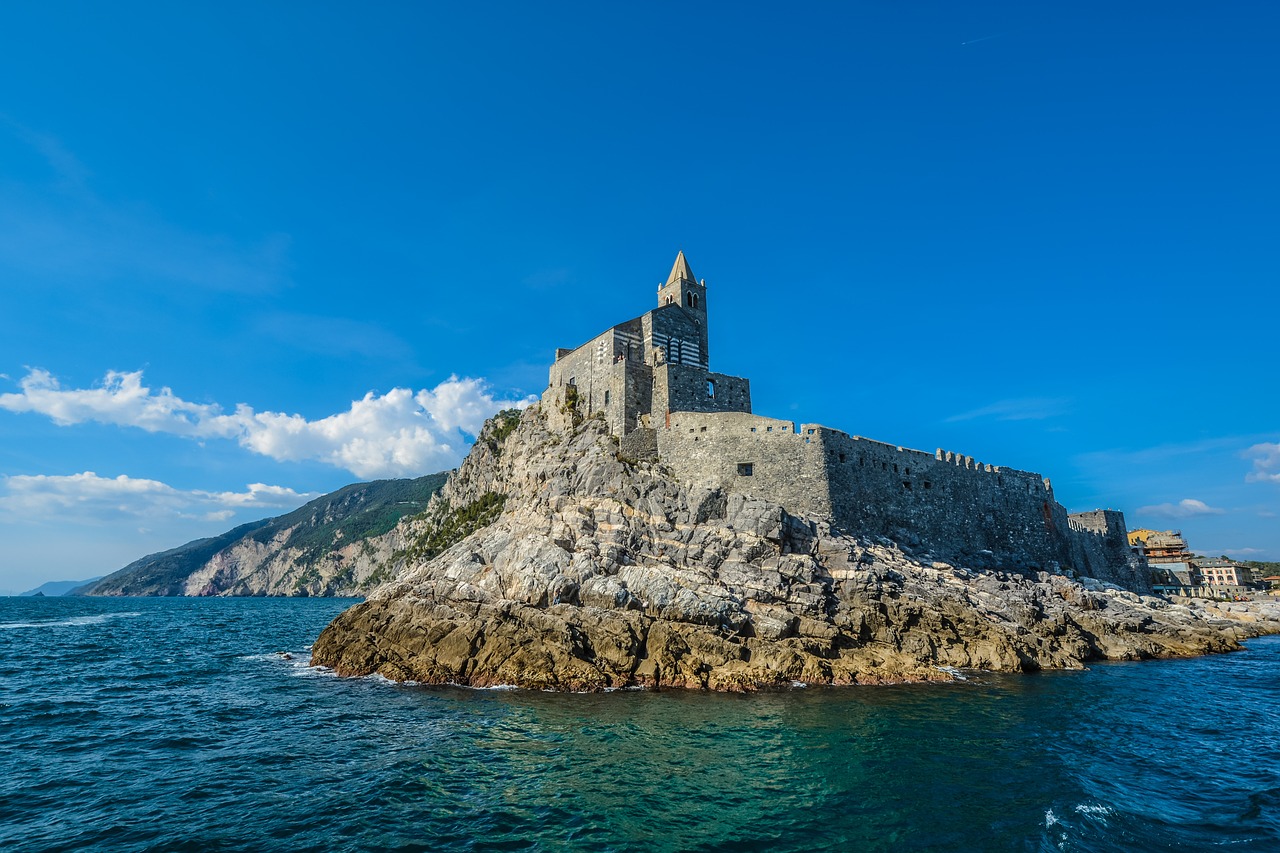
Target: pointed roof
(680, 271)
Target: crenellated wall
(947, 502)
(1100, 548)
(715, 447)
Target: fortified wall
(650, 379)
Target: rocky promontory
(550, 560)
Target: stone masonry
(650, 379)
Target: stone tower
(686, 291)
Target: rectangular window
(744, 469)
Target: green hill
(290, 547)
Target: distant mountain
(339, 544)
(60, 587)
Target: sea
(198, 724)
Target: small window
(810, 432)
(704, 429)
(769, 429)
(841, 457)
(928, 485)
(906, 485)
(744, 469)
(606, 398)
(711, 388)
(753, 429)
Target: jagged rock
(600, 573)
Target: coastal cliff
(340, 544)
(550, 560)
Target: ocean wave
(72, 622)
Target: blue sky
(252, 252)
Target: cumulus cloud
(397, 434)
(1185, 508)
(1266, 463)
(88, 497)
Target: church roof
(680, 271)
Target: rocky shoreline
(550, 561)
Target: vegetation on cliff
(314, 550)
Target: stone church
(650, 379)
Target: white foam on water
(955, 674)
(1096, 811)
(1050, 819)
(72, 622)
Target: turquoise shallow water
(172, 724)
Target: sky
(252, 252)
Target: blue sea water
(176, 724)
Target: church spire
(680, 271)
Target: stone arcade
(650, 379)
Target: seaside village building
(650, 379)
(1176, 571)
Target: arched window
(711, 388)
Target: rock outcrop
(551, 561)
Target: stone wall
(747, 454)
(956, 505)
(1100, 548)
(678, 335)
(680, 388)
(949, 503)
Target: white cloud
(121, 400)
(400, 433)
(1185, 508)
(1026, 409)
(1266, 463)
(88, 497)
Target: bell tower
(691, 295)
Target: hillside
(337, 544)
(59, 587)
